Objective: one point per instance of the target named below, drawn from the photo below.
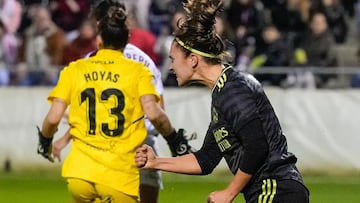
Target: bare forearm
(156, 115)
(238, 183)
(163, 125)
(67, 136)
(53, 118)
(48, 129)
(186, 164)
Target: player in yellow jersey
(108, 96)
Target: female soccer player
(108, 96)
(244, 128)
(150, 180)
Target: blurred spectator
(355, 79)
(291, 18)
(223, 30)
(246, 20)
(349, 6)
(163, 45)
(272, 50)
(357, 16)
(42, 51)
(141, 11)
(10, 15)
(271, 3)
(160, 14)
(69, 14)
(83, 44)
(4, 70)
(315, 5)
(318, 48)
(143, 39)
(28, 11)
(335, 16)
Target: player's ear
(99, 41)
(194, 60)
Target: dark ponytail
(112, 25)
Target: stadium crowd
(39, 37)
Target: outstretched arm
(186, 164)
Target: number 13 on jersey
(88, 97)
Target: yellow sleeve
(147, 84)
(63, 87)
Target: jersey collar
(221, 79)
(110, 52)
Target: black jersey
(245, 130)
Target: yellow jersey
(106, 118)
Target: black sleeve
(255, 145)
(241, 111)
(209, 155)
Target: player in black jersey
(244, 128)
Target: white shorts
(151, 177)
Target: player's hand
(57, 146)
(220, 197)
(44, 146)
(145, 157)
(178, 143)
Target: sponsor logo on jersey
(220, 136)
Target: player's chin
(180, 81)
(183, 82)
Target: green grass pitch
(48, 186)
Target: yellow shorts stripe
(274, 185)
(268, 188)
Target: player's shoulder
(132, 48)
(83, 61)
(133, 52)
(74, 65)
(232, 80)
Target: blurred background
(306, 53)
(284, 43)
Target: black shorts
(277, 191)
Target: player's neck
(208, 75)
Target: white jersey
(132, 52)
